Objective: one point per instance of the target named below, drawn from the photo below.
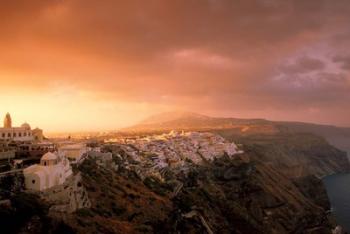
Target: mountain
(192, 121)
(173, 116)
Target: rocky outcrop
(68, 197)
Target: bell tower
(7, 121)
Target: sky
(74, 65)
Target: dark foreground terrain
(274, 187)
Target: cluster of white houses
(154, 154)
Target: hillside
(191, 121)
(190, 183)
(186, 183)
(337, 136)
(228, 195)
(173, 116)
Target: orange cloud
(120, 61)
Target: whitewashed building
(53, 170)
(73, 152)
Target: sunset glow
(81, 65)
(174, 116)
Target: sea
(338, 189)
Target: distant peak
(173, 115)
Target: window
(14, 134)
(20, 134)
(25, 134)
(8, 134)
(3, 135)
(33, 181)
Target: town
(49, 167)
(175, 149)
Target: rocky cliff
(227, 195)
(248, 193)
(294, 154)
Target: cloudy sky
(85, 65)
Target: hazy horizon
(121, 125)
(86, 131)
(70, 66)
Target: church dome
(49, 156)
(26, 126)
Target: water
(338, 189)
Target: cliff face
(235, 196)
(295, 154)
(337, 136)
(229, 195)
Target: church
(22, 133)
(53, 170)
